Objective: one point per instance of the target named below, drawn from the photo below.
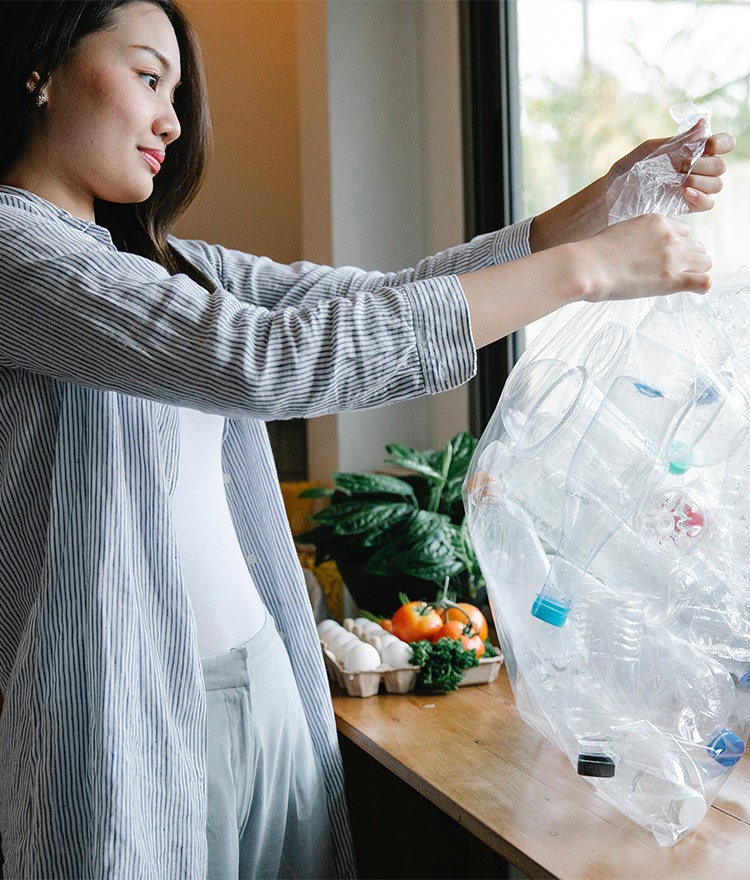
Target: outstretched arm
(650, 255)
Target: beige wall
(337, 139)
(251, 199)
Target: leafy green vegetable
(442, 663)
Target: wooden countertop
(521, 796)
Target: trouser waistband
(233, 667)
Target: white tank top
(226, 604)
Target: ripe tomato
(415, 621)
(467, 613)
(463, 632)
(385, 622)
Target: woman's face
(108, 117)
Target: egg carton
(401, 680)
(367, 684)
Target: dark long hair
(40, 35)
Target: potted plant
(405, 533)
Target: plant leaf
(463, 446)
(316, 492)
(354, 517)
(388, 532)
(412, 459)
(431, 570)
(372, 484)
(455, 538)
(424, 524)
(444, 463)
(452, 500)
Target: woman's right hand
(650, 255)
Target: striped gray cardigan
(102, 732)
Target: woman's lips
(154, 158)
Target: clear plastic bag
(609, 505)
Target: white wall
(395, 175)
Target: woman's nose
(167, 125)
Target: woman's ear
(32, 82)
(36, 87)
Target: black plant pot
(379, 594)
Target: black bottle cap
(596, 765)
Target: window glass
(597, 77)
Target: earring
(40, 99)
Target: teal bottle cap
(680, 458)
(550, 610)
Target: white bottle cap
(691, 810)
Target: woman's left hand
(705, 178)
(586, 213)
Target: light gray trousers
(267, 814)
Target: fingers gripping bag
(608, 502)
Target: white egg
(327, 625)
(340, 642)
(363, 629)
(333, 634)
(361, 658)
(396, 653)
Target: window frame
(492, 163)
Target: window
(600, 76)
(587, 80)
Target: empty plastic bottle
(712, 610)
(608, 475)
(606, 632)
(664, 785)
(676, 512)
(682, 691)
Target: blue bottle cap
(709, 395)
(549, 610)
(726, 748)
(647, 390)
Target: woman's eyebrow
(157, 54)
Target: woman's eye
(151, 79)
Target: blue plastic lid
(549, 610)
(726, 748)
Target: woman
(166, 709)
